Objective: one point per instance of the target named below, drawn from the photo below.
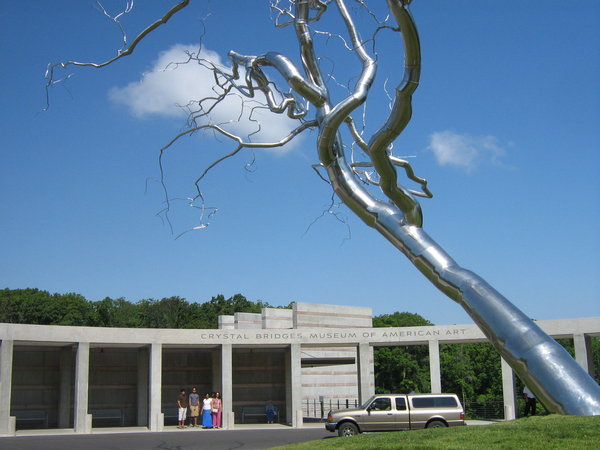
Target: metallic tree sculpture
(558, 381)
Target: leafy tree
(472, 371)
(400, 319)
(172, 312)
(39, 307)
(33, 306)
(209, 311)
(401, 368)
(116, 313)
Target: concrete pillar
(583, 352)
(143, 388)
(65, 400)
(7, 425)
(226, 381)
(83, 423)
(435, 374)
(293, 386)
(156, 418)
(366, 384)
(508, 391)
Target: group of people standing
(211, 407)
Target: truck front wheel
(347, 429)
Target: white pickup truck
(395, 412)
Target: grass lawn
(547, 432)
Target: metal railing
(490, 409)
(318, 408)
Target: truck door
(402, 414)
(379, 416)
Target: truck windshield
(366, 404)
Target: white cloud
(463, 150)
(165, 88)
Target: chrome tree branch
(410, 173)
(287, 70)
(120, 53)
(242, 144)
(399, 118)
(116, 20)
(164, 19)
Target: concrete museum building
(300, 359)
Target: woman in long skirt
(206, 412)
(217, 410)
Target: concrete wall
(38, 383)
(277, 318)
(258, 377)
(113, 381)
(185, 368)
(313, 315)
(247, 321)
(226, 323)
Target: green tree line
(33, 306)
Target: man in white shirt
(530, 401)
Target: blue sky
(505, 128)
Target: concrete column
(293, 386)
(65, 400)
(143, 389)
(156, 417)
(508, 391)
(83, 423)
(435, 374)
(226, 381)
(583, 352)
(7, 425)
(366, 384)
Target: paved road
(173, 440)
